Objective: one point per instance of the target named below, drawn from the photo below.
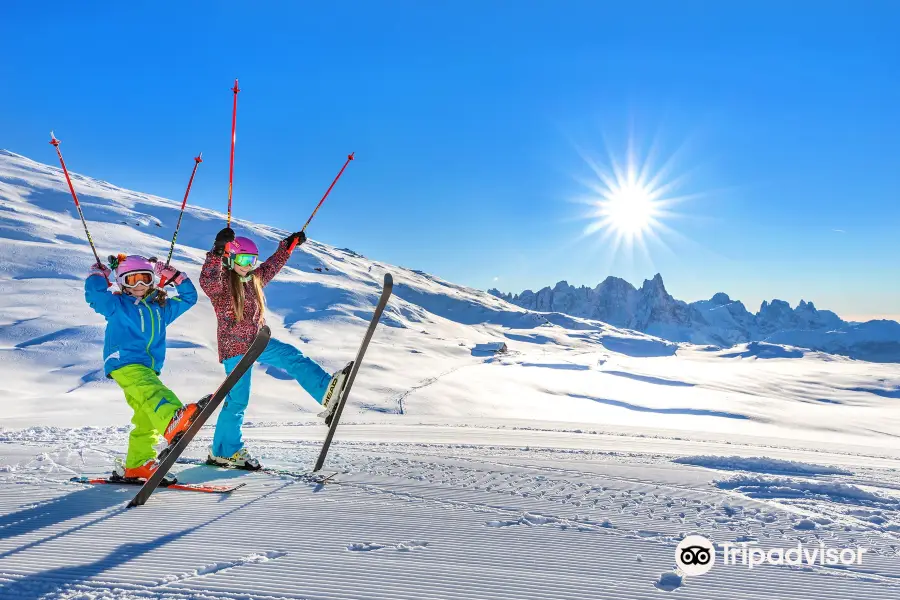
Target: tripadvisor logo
(696, 555)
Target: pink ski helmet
(241, 245)
(132, 265)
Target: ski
(303, 476)
(379, 309)
(170, 454)
(187, 487)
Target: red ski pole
(55, 143)
(197, 160)
(235, 89)
(328, 191)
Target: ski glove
(294, 240)
(222, 240)
(169, 274)
(100, 269)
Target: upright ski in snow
(382, 302)
(171, 454)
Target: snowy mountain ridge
(719, 321)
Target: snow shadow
(639, 347)
(879, 352)
(649, 379)
(760, 464)
(466, 311)
(45, 275)
(380, 409)
(55, 581)
(768, 487)
(207, 474)
(559, 366)
(170, 343)
(92, 376)
(276, 373)
(68, 333)
(895, 393)
(764, 350)
(567, 322)
(48, 513)
(17, 233)
(531, 339)
(697, 412)
(71, 239)
(309, 300)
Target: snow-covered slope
(720, 320)
(320, 302)
(427, 359)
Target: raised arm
(187, 293)
(96, 292)
(272, 265)
(212, 276)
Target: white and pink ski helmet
(131, 264)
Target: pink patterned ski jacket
(235, 338)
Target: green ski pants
(154, 405)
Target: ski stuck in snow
(336, 417)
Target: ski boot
(182, 419)
(141, 473)
(242, 459)
(333, 392)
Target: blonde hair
(237, 295)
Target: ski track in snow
(466, 518)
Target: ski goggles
(136, 278)
(245, 260)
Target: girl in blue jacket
(134, 350)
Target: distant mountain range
(719, 321)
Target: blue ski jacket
(136, 332)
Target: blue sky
(466, 119)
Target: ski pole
(55, 143)
(197, 160)
(328, 191)
(235, 89)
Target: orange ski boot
(143, 472)
(181, 420)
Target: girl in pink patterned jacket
(234, 279)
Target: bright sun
(629, 210)
(629, 203)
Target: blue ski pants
(228, 437)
